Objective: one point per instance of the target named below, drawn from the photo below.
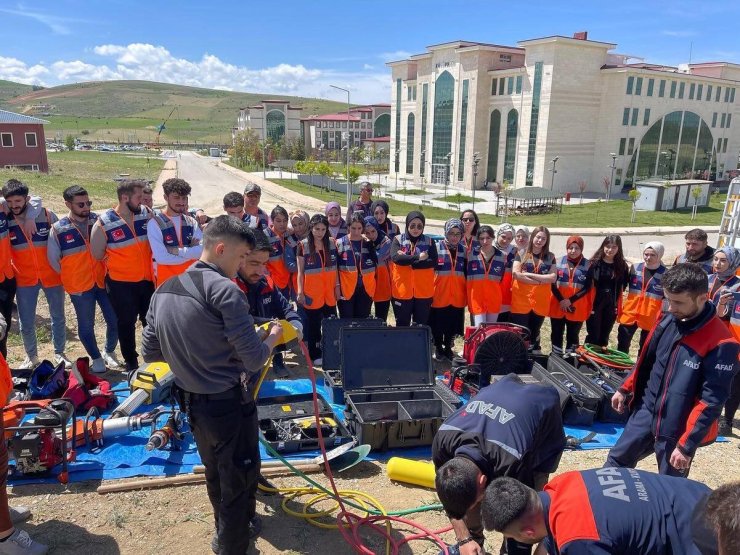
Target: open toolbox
(288, 423)
(578, 399)
(331, 355)
(607, 381)
(392, 397)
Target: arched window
(410, 143)
(494, 130)
(512, 123)
(382, 126)
(444, 93)
(275, 126)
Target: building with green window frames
(572, 98)
(272, 120)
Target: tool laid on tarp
(150, 384)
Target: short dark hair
(279, 211)
(147, 190)
(73, 191)
(685, 278)
(233, 199)
(723, 514)
(177, 186)
(129, 186)
(505, 501)
(261, 241)
(357, 217)
(485, 229)
(15, 188)
(225, 228)
(457, 486)
(696, 234)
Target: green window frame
(709, 93)
(622, 146)
(518, 84)
(509, 85)
(494, 132)
(424, 108)
(635, 116)
(673, 89)
(661, 88)
(534, 122)
(463, 129)
(631, 146)
(651, 85)
(638, 86)
(722, 121)
(444, 95)
(501, 85)
(399, 88)
(729, 120)
(630, 84)
(699, 91)
(494, 84)
(646, 117)
(681, 89)
(714, 119)
(275, 124)
(512, 124)
(626, 116)
(692, 89)
(410, 121)
(718, 93)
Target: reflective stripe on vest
(408, 283)
(569, 282)
(383, 272)
(484, 280)
(6, 267)
(29, 259)
(449, 279)
(706, 265)
(644, 301)
(80, 270)
(525, 297)
(319, 276)
(735, 318)
(350, 265)
(171, 239)
(276, 263)
(129, 256)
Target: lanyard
(572, 275)
(487, 266)
(645, 285)
(714, 294)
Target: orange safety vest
(319, 276)
(383, 272)
(129, 256)
(172, 239)
(484, 281)
(644, 301)
(734, 323)
(406, 282)
(80, 270)
(569, 282)
(526, 297)
(507, 280)
(449, 279)
(29, 259)
(276, 263)
(350, 266)
(6, 382)
(6, 267)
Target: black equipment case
(331, 354)
(607, 381)
(389, 384)
(288, 423)
(580, 401)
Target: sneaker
(29, 363)
(255, 528)
(19, 514)
(318, 362)
(61, 357)
(20, 543)
(725, 428)
(280, 370)
(98, 366)
(110, 361)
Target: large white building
(274, 120)
(572, 100)
(367, 124)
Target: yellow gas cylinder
(411, 472)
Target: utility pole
(554, 171)
(476, 161)
(349, 134)
(611, 182)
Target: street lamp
(395, 166)
(611, 182)
(554, 171)
(449, 168)
(476, 161)
(349, 188)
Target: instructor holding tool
(199, 323)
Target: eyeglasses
(416, 226)
(468, 220)
(83, 204)
(454, 234)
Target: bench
(426, 202)
(453, 206)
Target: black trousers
(733, 401)
(446, 322)
(625, 334)
(381, 310)
(7, 296)
(601, 321)
(572, 333)
(130, 301)
(533, 322)
(313, 328)
(357, 306)
(226, 434)
(418, 309)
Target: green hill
(130, 111)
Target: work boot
(19, 514)
(255, 528)
(278, 366)
(20, 543)
(725, 428)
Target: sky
(300, 47)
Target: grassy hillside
(127, 111)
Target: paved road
(211, 180)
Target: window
(699, 91)
(714, 119)
(410, 143)
(727, 95)
(722, 121)
(635, 115)
(344, 125)
(622, 145)
(673, 89)
(661, 89)
(6, 139)
(626, 116)
(414, 95)
(464, 128)
(408, 93)
(444, 92)
(651, 84)
(718, 94)
(630, 84)
(681, 88)
(729, 119)
(519, 84)
(638, 86)
(424, 106)
(534, 122)
(501, 85)
(709, 93)
(724, 146)
(383, 125)
(631, 147)
(363, 135)
(331, 124)
(494, 83)
(398, 122)
(512, 123)
(510, 85)
(646, 117)
(732, 96)
(692, 90)
(494, 130)
(31, 140)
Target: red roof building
(331, 131)
(22, 142)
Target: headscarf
(454, 222)
(523, 228)
(383, 204)
(413, 215)
(330, 205)
(577, 239)
(371, 220)
(658, 247)
(302, 214)
(506, 228)
(733, 257)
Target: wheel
(499, 354)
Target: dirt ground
(76, 520)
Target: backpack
(47, 382)
(85, 390)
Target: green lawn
(93, 170)
(458, 198)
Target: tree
(696, 193)
(606, 183)
(324, 169)
(69, 142)
(582, 185)
(246, 148)
(354, 174)
(634, 195)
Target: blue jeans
(27, 298)
(84, 304)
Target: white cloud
(679, 34)
(156, 63)
(367, 66)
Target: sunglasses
(416, 226)
(468, 220)
(83, 204)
